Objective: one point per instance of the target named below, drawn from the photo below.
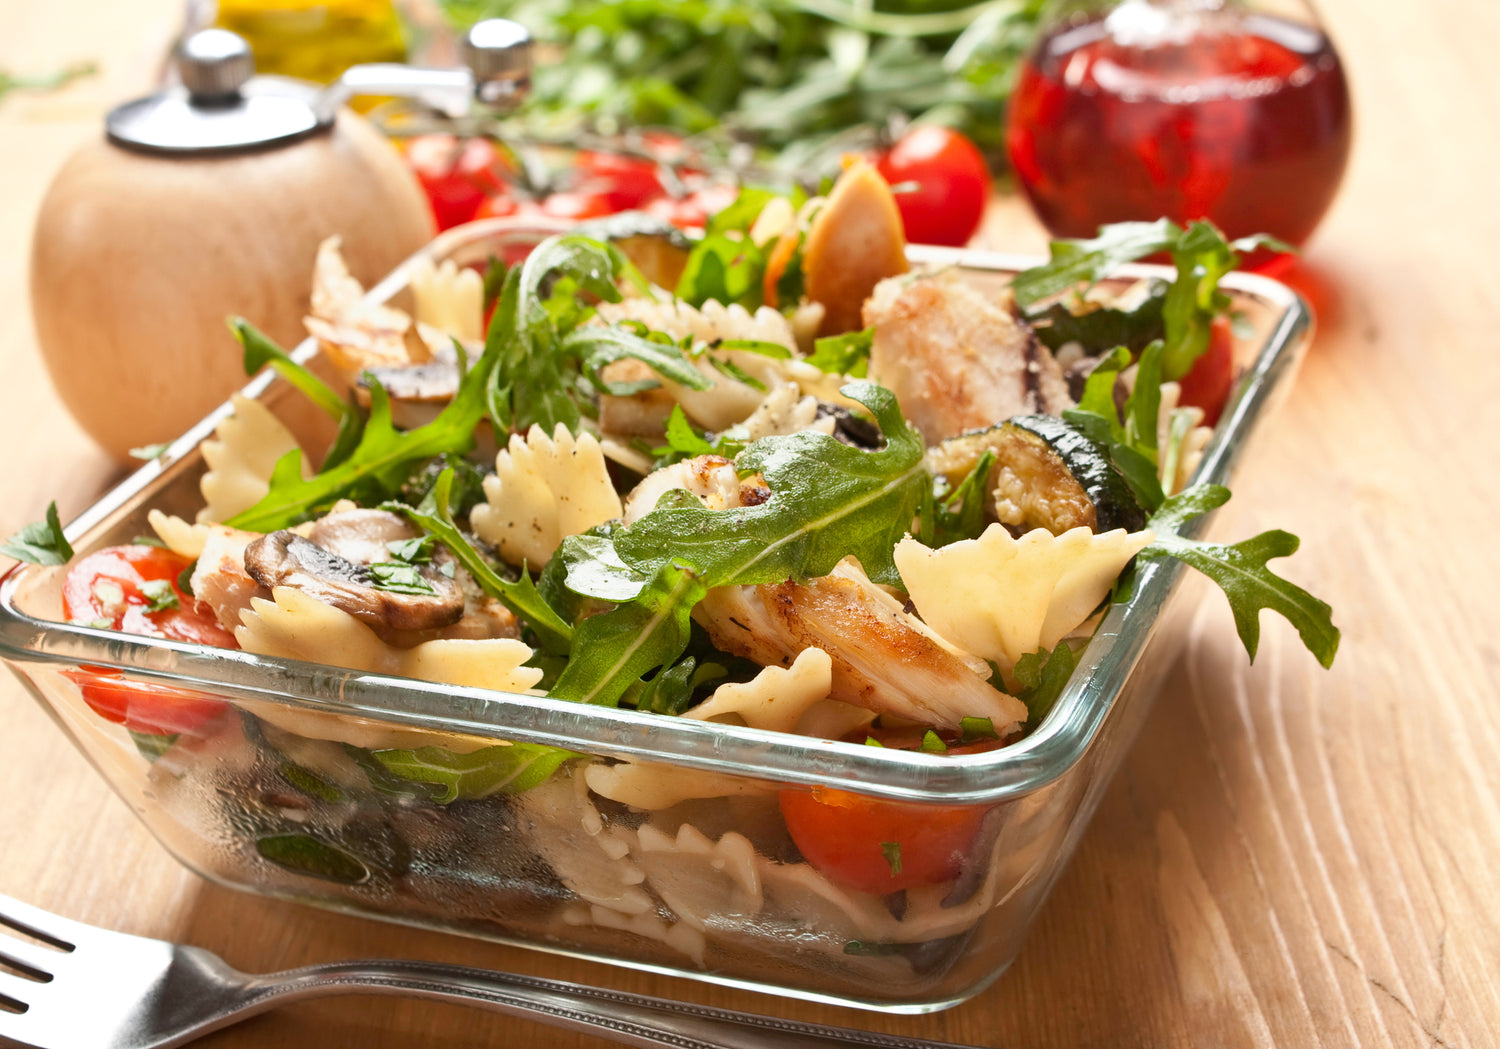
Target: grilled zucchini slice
(1046, 474)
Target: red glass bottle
(1180, 108)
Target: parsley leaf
(159, 595)
(847, 354)
(41, 542)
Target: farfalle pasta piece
(544, 489)
(1001, 597)
(241, 454)
(774, 699)
(294, 625)
(448, 298)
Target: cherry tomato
(625, 182)
(694, 210)
(456, 174)
(879, 846)
(134, 589)
(1209, 380)
(941, 183)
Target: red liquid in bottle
(1240, 118)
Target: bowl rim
(1061, 741)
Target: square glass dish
(278, 794)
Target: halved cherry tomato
(1209, 380)
(134, 589)
(456, 174)
(879, 846)
(941, 183)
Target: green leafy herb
(310, 783)
(891, 850)
(847, 354)
(150, 745)
(828, 501)
(1042, 676)
(932, 743)
(1188, 306)
(1097, 327)
(803, 77)
(682, 439)
(382, 461)
(414, 551)
(41, 542)
(1240, 570)
(147, 452)
(159, 595)
(521, 597)
(949, 516)
(46, 82)
(508, 768)
(614, 649)
(975, 729)
(398, 577)
(545, 356)
(261, 350)
(304, 854)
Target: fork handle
(628, 1018)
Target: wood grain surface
(1288, 857)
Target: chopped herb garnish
(399, 578)
(159, 594)
(891, 850)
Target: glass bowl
(687, 868)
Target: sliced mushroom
(336, 565)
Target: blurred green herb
(806, 79)
(46, 81)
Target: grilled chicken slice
(884, 659)
(955, 360)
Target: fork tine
(32, 921)
(39, 962)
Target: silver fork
(83, 986)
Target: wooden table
(1288, 857)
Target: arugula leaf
(41, 542)
(383, 460)
(614, 649)
(1190, 303)
(261, 350)
(828, 501)
(960, 513)
(1099, 327)
(1240, 570)
(670, 691)
(507, 768)
(595, 347)
(435, 518)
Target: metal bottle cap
(222, 107)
